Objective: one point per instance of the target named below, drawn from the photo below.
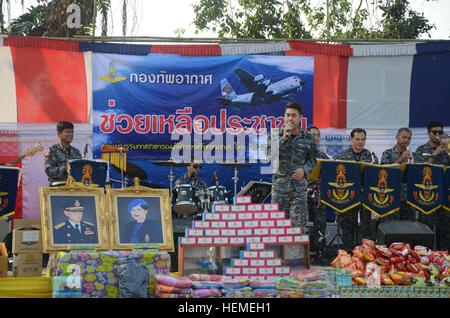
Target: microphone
(288, 129)
(85, 151)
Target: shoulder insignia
(57, 227)
(88, 223)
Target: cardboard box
(27, 240)
(3, 260)
(27, 265)
(229, 216)
(26, 222)
(211, 216)
(237, 240)
(187, 241)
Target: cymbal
(133, 171)
(171, 163)
(235, 164)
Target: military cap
(73, 206)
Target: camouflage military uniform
(442, 159)
(56, 162)
(390, 156)
(299, 151)
(350, 218)
(317, 211)
(440, 218)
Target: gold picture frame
(58, 204)
(140, 215)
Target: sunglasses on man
(437, 132)
(197, 166)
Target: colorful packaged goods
(397, 264)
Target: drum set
(188, 199)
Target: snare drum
(216, 195)
(185, 202)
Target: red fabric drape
(50, 85)
(189, 50)
(330, 81)
(321, 48)
(41, 43)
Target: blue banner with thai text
(160, 105)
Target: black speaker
(259, 191)
(414, 233)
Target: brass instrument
(326, 153)
(445, 142)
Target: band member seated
(435, 152)
(192, 175)
(350, 218)
(58, 155)
(190, 178)
(398, 155)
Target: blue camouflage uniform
(56, 159)
(406, 212)
(441, 217)
(350, 217)
(299, 151)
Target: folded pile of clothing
(168, 286)
(264, 288)
(206, 286)
(236, 288)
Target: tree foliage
(308, 18)
(49, 18)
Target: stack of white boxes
(243, 223)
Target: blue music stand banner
(382, 186)
(9, 183)
(340, 184)
(89, 173)
(446, 190)
(425, 183)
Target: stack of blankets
(168, 286)
(213, 286)
(194, 286)
(206, 286)
(245, 288)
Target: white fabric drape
(384, 50)
(254, 48)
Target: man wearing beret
(75, 230)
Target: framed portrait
(73, 215)
(140, 215)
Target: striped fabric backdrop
(355, 85)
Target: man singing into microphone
(296, 159)
(59, 154)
